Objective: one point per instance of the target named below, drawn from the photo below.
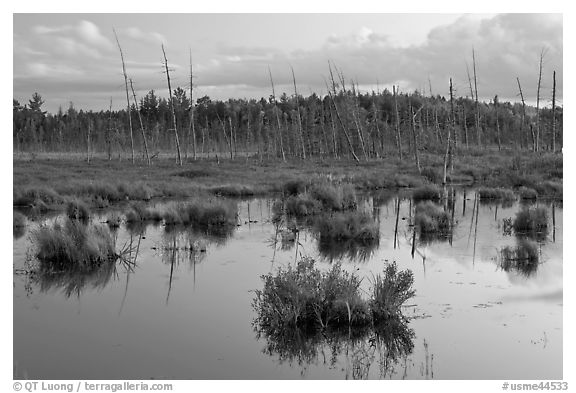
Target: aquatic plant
(531, 220)
(428, 192)
(201, 213)
(390, 292)
(140, 212)
(302, 205)
(77, 210)
(232, 190)
(114, 220)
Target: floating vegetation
(429, 192)
(496, 194)
(432, 221)
(531, 221)
(523, 258)
(77, 210)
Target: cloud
(137, 34)
(506, 46)
(90, 33)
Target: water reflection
(356, 350)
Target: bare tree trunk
(476, 98)
(141, 123)
(448, 147)
(523, 120)
(299, 119)
(465, 125)
(172, 107)
(350, 147)
(538, 102)
(88, 141)
(277, 117)
(191, 126)
(109, 133)
(554, 112)
(413, 117)
(398, 136)
(127, 96)
(497, 123)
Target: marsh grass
(306, 297)
(431, 220)
(322, 197)
(527, 194)
(354, 226)
(77, 210)
(496, 194)
(294, 187)
(523, 258)
(233, 190)
(74, 246)
(114, 220)
(549, 189)
(139, 212)
(531, 221)
(428, 192)
(203, 214)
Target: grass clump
(523, 258)
(431, 219)
(324, 197)
(389, 292)
(549, 189)
(305, 297)
(294, 187)
(496, 194)
(355, 226)
(77, 210)
(428, 192)
(432, 175)
(233, 190)
(531, 220)
(216, 213)
(74, 246)
(139, 213)
(302, 206)
(527, 194)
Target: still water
(187, 314)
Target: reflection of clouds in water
(554, 296)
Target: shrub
(427, 193)
(531, 220)
(549, 189)
(77, 210)
(294, 187)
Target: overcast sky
(73, 57)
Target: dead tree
(300, 131)
(448, 144)
(476, 98)
(109, 133)
(537, 148)
(179, 160)
(141, 123)
(554, 112)
(523, 119)
(127, 95)
(497, 122)
(398, 136)
(88, 141)
(277, 117)
(413, 122)
(191, 125)
(350, 146)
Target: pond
(184, 309)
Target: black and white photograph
(287, 196)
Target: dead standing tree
(554, 112)
(398, 136)
(537, 145)
(179, 161)
(523, 119)
(448, 143)
(127, 95)
(191, 125)
(141, 123)
(277, 116)
(476, 98)
(300, 131)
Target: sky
(74, 57)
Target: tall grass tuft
(527, 194)
(323, 197)
(74, 246)
(202, 214)
(139, 212)
(77, 210)
(233, 190)
(294, 187)
(499, 194)
(356, 226)
(428, 192)
(431, 219)
(390, 292)
(531, 220)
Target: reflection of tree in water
(524, 258)
(357, 349)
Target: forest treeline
(343, 124)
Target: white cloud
(140, 35)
